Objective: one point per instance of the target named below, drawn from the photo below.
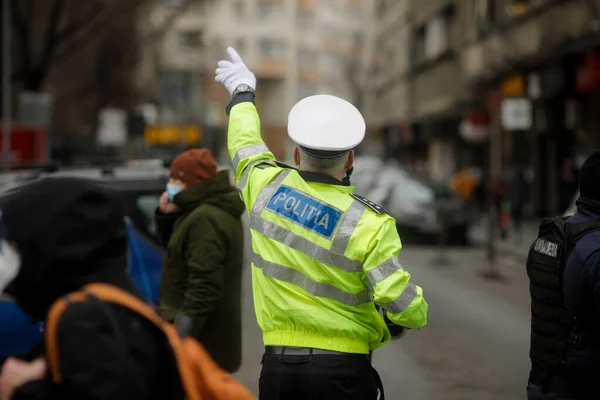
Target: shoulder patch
(373, 206)
(262, 164)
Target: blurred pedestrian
(564, 272)
(465, 183)
(323, 256)
(518, 193)
(498, 203)
(58, 235)
(199, 223)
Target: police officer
(323, 257)
(564, 272)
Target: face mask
(10, 262)
(173, 189)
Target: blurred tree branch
(158, 32)
(61, 39)
(67, 27)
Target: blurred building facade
(69, 62)
(295, 47)
(510, 86)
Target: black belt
(306, 351)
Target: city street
(475, 345)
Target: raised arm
(246, 147)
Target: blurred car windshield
(411, 190)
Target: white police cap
(326, 126)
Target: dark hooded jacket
(202, 273)
(70, 233)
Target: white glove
(234, 73)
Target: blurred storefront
(405, 143)
(548, 77)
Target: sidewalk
(513, 245)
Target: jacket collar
(197, 194)
(319, 178)
(588, 207)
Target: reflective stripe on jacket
(321, 259)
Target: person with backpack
(198, 221)
(564, 272)
(63, 259)
(323, 257)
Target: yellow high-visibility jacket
(322, 256)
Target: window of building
(418, 44)
(175, 3)
(333, 4)
(330, 63)
(439, 33)
(307, 58)
(306, 89)
(190, 39)
(305, 20)
(358, 39)
(240, 46)
(488, 13)
(272, 48)
(270, 9)
(239, 8)
(405, 52)
(381, 7)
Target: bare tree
(48, 33)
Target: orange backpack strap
(115, 295)
(52, 332)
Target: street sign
(516, 114)
(112, 127)
(35, 109)
(172, 134)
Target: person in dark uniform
(564, 271)
(58, 235)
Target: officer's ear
(296, 156)
(349, 161)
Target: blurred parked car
(419, 205)
(139, 191)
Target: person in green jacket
(198, 221)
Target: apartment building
(506, 85)
(419, 87)
(296, 48)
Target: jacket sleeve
(246, 147)
(164, 226)
(90, 361)
(390, 283)
(206, 256)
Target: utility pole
(495, 170)
(6, 83)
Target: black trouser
(307, 374)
